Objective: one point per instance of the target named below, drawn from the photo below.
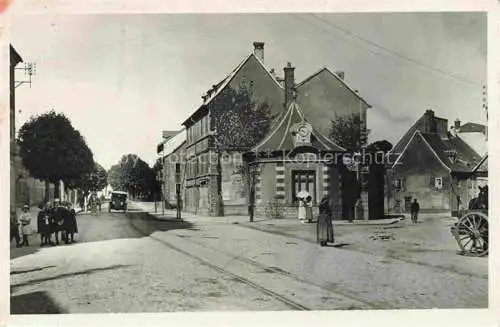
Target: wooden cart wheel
(471, 233)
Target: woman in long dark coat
(44, 225)
(70, 224)
(324, 226)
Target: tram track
(283, 273)
(289, 302)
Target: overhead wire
(403, 59)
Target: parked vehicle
(118, 201)
(472, 230)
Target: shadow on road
(19, 252)
(78, 273)
(147, 224)
(34, 303)
(16, 272)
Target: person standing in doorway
(302, 209)
(414, 209)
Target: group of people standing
(57, 218)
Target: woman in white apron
(301, 196)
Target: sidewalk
(149, 207)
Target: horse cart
(471, 230)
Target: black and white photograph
(243, 162)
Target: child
(26, 228)
(44, 225)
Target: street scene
(304, 162)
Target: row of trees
(52, 150)
(134, 176)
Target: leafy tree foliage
(240, 122)
(133, 175)
(382, 146)
(52, 150)
(114, 177)
(346, 131)
(91, 182)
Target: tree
(94, 181)
(114, 177)
(133, 175)
(52, 150)
(383, 146)
(157, 170)
(346, 131)
(240, 122)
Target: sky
(121, 79)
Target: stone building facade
(294, 157)
(432, 165)
(324, 95)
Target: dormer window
(438, 183)
(452, 155)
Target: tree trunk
(220, 202)
(57, 189)
(47, 191)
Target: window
(398, 183)
(438, 183)
(304, 180)
(177, 173)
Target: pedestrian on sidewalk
(414, 209)
(309, 212)
(26, 227)
(70, 224)
(100, 201)
(14, 227)
(58, 220)
(302, 210)
(44, 225)
(324, 225)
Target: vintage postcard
(249, 162)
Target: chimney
(457, 125)
(289, 83)
(340, 74)
(258, 50)
(429, 123)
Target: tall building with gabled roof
(323, 96)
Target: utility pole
(485, 107)
(163, 183)
(178, 189)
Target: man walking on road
(414, 209)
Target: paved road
(131, 263)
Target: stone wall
(272, 210)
